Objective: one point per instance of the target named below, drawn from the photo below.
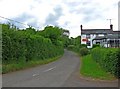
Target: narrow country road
(61, 73)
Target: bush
(92, 69)
(107, 58)
(70, 47)
(73, 48)
(84, 51)
(96, 45)
(26, 45)
(83, 45)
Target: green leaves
(84, 51)
(107, 58)
(29, 44)
(53, 33)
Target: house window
(88, 43)
(88, 36)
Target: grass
(91, 69)
(22, 65)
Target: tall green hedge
(108, 58)
(25, 45)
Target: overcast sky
(68, 14)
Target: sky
(67, 14)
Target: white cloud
(90, 13)
(11, 8)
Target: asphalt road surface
(61, 73)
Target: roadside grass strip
(90, 68)
(22, 65)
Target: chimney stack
(81, 27)
(111, 27)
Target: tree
(53, 33)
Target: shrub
(84, 51)
(73, 48)
(83, 45)
(70, 47)
(26, 45)
(107, 58)
(96, 45)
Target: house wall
(89, 37)
(66, 33)
(83, 36)
(99, 35)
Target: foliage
(53, 33)
(90, 68)
(75, 41)
(96, 45)
(65, 40)
(22, 65)
(107, 58)
(28, 44)
(83, 45)
(76, 46)
(84, 51)
(56, 34)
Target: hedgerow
(25, 45)
(108, 58)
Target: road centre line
(49, 69)
(35, 75)
(44, 71)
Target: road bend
(61, 73)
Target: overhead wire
(18, 22)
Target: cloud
(11, 8)
(69, 14)
(53, 18)
(26, 19)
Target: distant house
(66, 33)
(103, 37)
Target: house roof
(99, 38)
(113, 35)
(109, 33)
(96, 31)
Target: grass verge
(22, 65)
(91, 69)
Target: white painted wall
(66, 33)
(83, 37)
(92, 36)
